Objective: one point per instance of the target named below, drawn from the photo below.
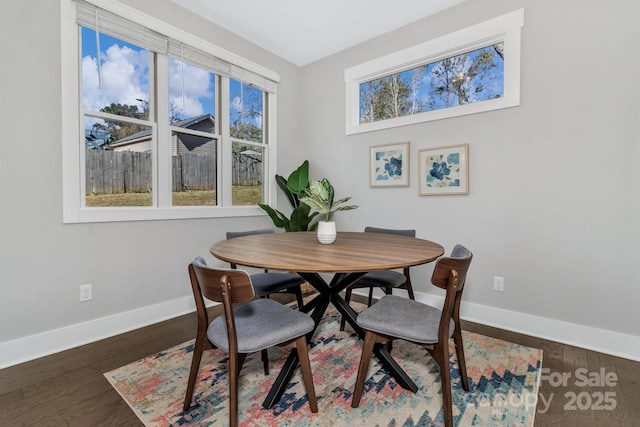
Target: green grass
(194, 198)
(241, 196)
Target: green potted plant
(294, 188)
(320, 196)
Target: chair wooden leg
(347, 298)
(365, 358)
(462, 363)
(195, 368)
(264, 355)
(307, 376)
(234, 372)
(441, 354)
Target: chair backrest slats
(459, 261)
(209, 279)
(234, 234)
(450, 274)
(410, 233)
(201, 309)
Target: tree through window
(467, 78)
(472, 70)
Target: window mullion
(163, 148)
(225, 147)
(270, 188)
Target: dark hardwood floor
(68, 388)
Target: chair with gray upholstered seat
(393, 317)
(387, 280)
(270, 282)
(252, 325)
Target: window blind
(106, 22)
(246, 76)
(193, 56)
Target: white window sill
(88, 215)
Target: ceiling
(304, 31)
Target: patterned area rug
(504, 385)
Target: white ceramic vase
(326, 232)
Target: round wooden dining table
(351, 252)
(352, 255)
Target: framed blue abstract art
(389, 165)
(444, 170)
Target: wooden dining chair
(269, 282)
(400, 318)
(387, 280)
(255, 325)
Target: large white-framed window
(157, 123)
(472, 70)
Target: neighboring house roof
(193, 121)
(146, 134)
(132, 139)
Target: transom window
(470, 77)
(473, 70)
(169, 128)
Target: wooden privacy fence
(193, 172)
(112, 172)
(247, 169)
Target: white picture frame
(444, 170)
(389, 165)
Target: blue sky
(125, 79)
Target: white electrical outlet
(498, 283)
(85, 292)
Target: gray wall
(43, 261)
(555, 200)
(554, 195)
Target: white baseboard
(600, 340)
(32, 347)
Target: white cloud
(236, 104)
(124, 78)
(198, 85)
